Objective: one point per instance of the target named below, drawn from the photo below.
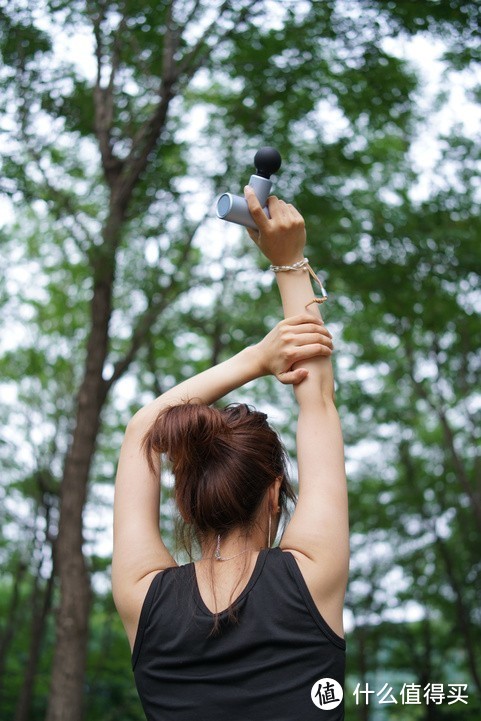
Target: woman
(247, 632)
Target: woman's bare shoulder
(328, 599)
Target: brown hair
(223, 460)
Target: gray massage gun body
(234, 208)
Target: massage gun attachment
(234, 208)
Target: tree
(110, 228)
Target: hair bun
(223, 462)
(187, 434)
(191, 430)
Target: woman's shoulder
(310, 578)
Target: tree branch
(147, 136)
(104, 101)
(459, 468)
(62, 200)
(157, 387)
(192, 14)
(194, 59)
(462, 610)
(145, 321)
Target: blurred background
(120, 123)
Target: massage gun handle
(234, 208)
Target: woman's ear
(273, 498)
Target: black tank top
(269, 666)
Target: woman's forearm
(282, 239)
(205, 387)
(296, 292)
(291, 342)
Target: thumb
(293, 377)
(260, 218)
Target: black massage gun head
(267, 161)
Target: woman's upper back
(264, 666)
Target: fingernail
(247, 189)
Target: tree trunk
(69, 663)
(361, 639)
(10, 622)
(68, 672)
(24, 702)
(462, 612)
(427, 668)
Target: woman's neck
(227, 547)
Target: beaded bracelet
(300, 265)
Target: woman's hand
(281, 237)
(290, 341)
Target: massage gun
(234, 208)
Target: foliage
(321, 82)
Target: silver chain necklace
(218, 556)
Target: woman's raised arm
(318, 533)
(139, 550)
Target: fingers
(301, 331)
(311, 338)
(294, 213)
(299, 320)
(278, 209)
(255, 209)
(305, 323)
(303, 341)
(308, 334)
(312, 350)
(284, 214)
(275, 206)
